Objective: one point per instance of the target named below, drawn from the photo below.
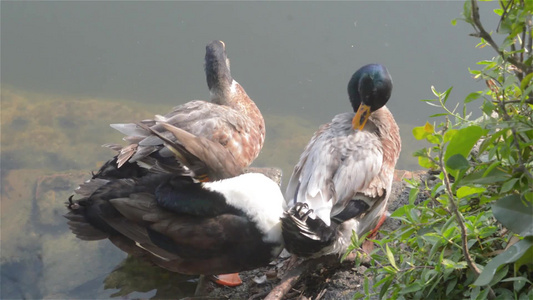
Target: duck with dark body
(177, 195)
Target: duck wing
(337, 163)
(311, 180)
(206, 159)
(217, 123)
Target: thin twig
(321, 294)
(529, 46)
(528, 101)
(290, 279)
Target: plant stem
(452, 113)
(458, 216)
(455, 210)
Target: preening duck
(344, 177)
(231, 119)
(180, 223)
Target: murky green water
(71, 68)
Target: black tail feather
(304, 235)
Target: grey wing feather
(311, 180)
(337, 163)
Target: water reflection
(136, 275)
(68, 66)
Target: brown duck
(231, 119)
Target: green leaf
(451, 285)
(438, 115)
(462, 143)
(472, 96)
(488, 108)
(450, 134)
(401, 211)
(514, 214)
(430, 102)
(495, 175)
(526, 81)
(420, 133)
(528, 196)
(425, 162)
(474, 293)
(385, 286)
(483, 294)
(390, 257)
(434, 139)
(457, 162)
(413, 194)
(465, 191)
(514, 253)
(518, 282)
(491, 167)
(500, 274)
(416, 286)
(508, 185)
(467, 12)
(449, 264)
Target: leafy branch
(455, 211)
(478, 208)
(475, 21)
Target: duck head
(369, 89)
(217, 71)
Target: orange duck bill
(362, 115)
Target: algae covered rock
(60, 133)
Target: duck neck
(218, 77)
(222, 91)
(390, 136)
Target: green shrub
(473, 235)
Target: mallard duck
(344, 177)
(180, 223)
(231, 119)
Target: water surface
(70, 68)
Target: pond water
(70, 68)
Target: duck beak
(362, 115)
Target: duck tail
(79, 224)
(304, 234)
(80, 210)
